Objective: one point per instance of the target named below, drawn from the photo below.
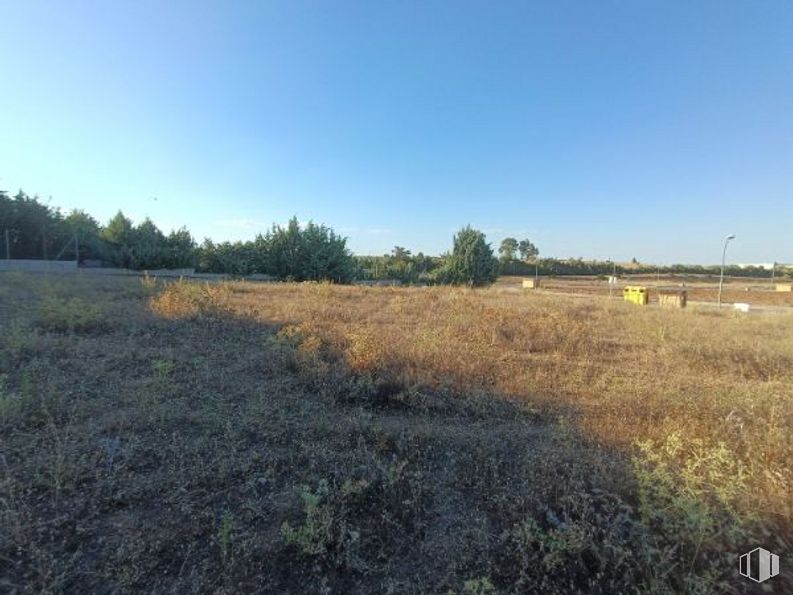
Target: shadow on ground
(207, 454)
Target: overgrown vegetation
(400, 266)
(36, 230)
(239, 437)
(293, 252)
(471, 261)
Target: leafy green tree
(147, 248)
(406, 267)
(311, 254)
(82, 224)
(118, 238)
(180, 249)
(326, 256)
(35, 229)
(400, 253)
(225, 257)
(86, 229)
(528, 251)
(471, 261)
(508, 248)
(286, 251)
(118, 230)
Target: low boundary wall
(70, 267)
(39, 266)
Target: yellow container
(635, 294)
(531, 284)
(672, 298)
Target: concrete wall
(157, 273)
(58, 266)
(39, 266)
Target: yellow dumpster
(635, 294)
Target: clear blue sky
(597, 129)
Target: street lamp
(723, 256)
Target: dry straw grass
(238, 437)
(626, 374)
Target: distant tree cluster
(579, 266)
(294, 252)
(401, 265)
(144, 246)
(308, 253)
(471, 262)
(36, 230)
(510, 247)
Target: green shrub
(11, 404)
(163, 368)
(225, 534)
(314, 535)
(478, 586)
(689, 495)
(70, 316)
(471, 261)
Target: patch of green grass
(225, 535)
(11, 404)
(479, 586)
(314, 535)
(690, 495)
(163, 368)
(70, 315)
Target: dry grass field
(293, 438)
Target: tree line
(37, 230)
(30, 228)
(296, 252)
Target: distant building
(768, 266)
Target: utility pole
(723, 256)
(76, 250)
(613, 277)
(773, 272)
(8, 247)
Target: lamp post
(723, 256)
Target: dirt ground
(757, 292)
